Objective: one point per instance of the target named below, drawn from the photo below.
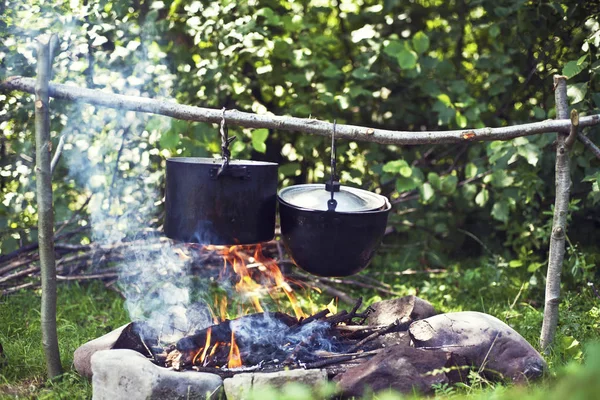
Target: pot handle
(225, 153)
(333, 185)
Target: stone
(128, 375)
(400, 367)
(388, 340)
(241, 385)
(484, 341)
(82, 358)
(406, 309)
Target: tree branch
(570, 140)
(589, 144)
(311, 126)
(43, 147)
(559, 222)
(57, 153)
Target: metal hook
(225, 142)
(333, 185)
(333, 149)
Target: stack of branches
(20, 269)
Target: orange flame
(275, 273)
(261, 267)
(204, 349)
(235, 360)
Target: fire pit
(397, 343)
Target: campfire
(258, 340)
(401, 343)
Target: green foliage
(396, 65)
(417, 66)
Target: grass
(89, 311)
(84, 312)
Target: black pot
(332, 243)
(212, 205)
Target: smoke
(265, 337)
(109, 156)
(116, 157)
(113, 155)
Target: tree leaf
(500, 211)
(259, 136)
(577, 92)
(482, 197)
(394, 167)
(494, 31)
(501, 179)
(449, 183)
(407, 59)
(363, 73)
(426, 192)
(573, 68)
(530, 152)
(515, 263)
(406, 171)
(470, 170)
(434, 180)
(534, 266)
(420, 42)
(170, 139)
(393, 48)
(404, 184)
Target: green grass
(88, 311)
(84, 312)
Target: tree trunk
(43, 147)
(559, 223)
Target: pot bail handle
(333, 185)
(225, 142)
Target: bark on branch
(559, 223)
(43, 147)
(589, 144)
(311, 126)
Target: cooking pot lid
(315, 197)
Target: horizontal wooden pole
(306, 125)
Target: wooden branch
(341, 358)
(559, 223)
(14, 289)
(45, 210)
(311, 126)
(74, 215)
(589, 144)
(380, 332)
(570, 140)
(19, 274)
(353, 282)
(57, 153)
(16, 253)
(342, 296)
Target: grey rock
(126, 374)
(82, 358)
(241, 385)
(400, 367)
(388, 340)
(406, 309)
(483, 340)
